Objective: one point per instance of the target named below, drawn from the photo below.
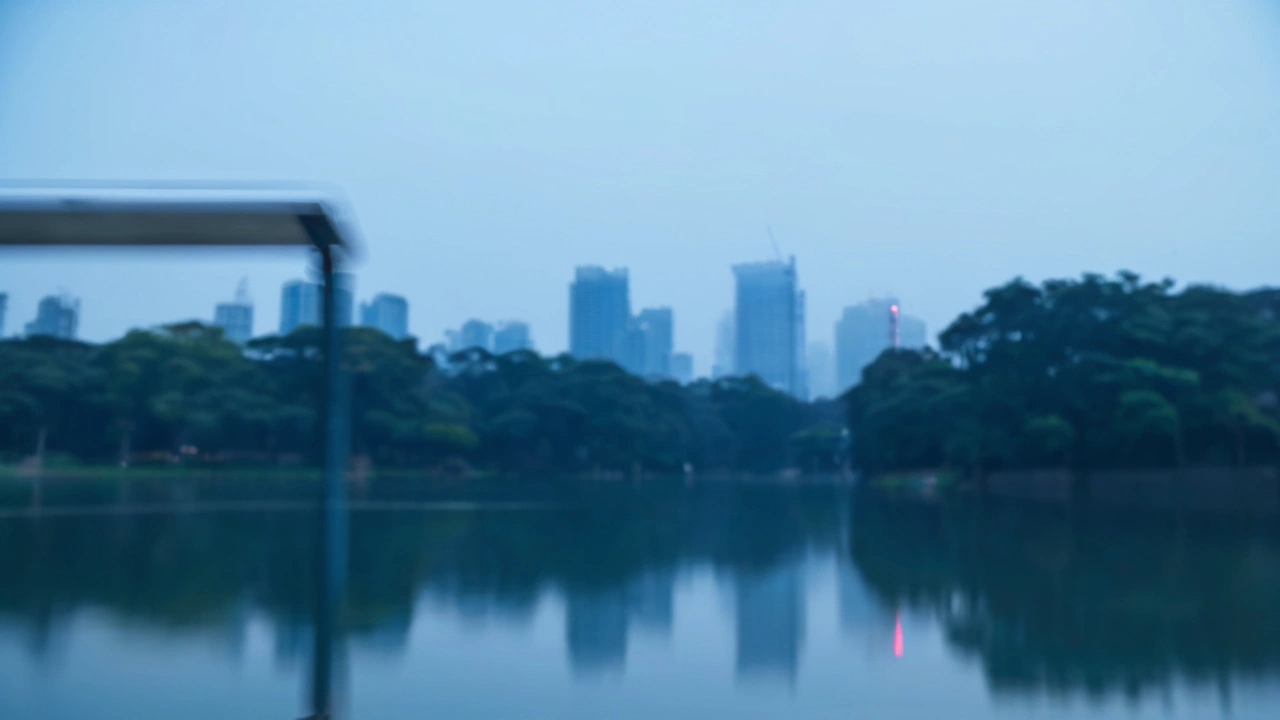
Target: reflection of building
(860, 612)
(292, 641)
(511, 336)
(651, 599)
(769, 338)
(388, 313)
(596, 629)
(56, 316)
(236, 317)
(4, 307)
(770, 620)
(868, 329)
(390, 637)
(599, 314)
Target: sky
(927, 149)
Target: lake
(192, 599)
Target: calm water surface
(628, 601)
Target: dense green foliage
(1085, 373)
(186, 392)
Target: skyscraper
(56, 316)
(299, 305)
(4, 307)
(236, 317)
(822, 370)
(301, 302)
(511, 336)
(599, 313)
(388, 313)
(868, 329)
(912, 332)
(474, 334)
(801, 387)
(656, 327)
(633, 348)
(344, 292)
(682, 368)
(769, 310)
(724, 347)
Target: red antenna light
(894, 337)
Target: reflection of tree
(201, 572)
(1083, 604)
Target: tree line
(1085, 373)
(1082, 373)
(184, 392)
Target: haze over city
(924, 150)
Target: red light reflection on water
(897, 635)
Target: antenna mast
(242, 292)
(774, 241)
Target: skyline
(905, 150)
(651, 327)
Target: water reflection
(770, 620)
(616, 579)
(1094, 605)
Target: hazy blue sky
(928, 148)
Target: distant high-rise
(236, 317)
(769, 310)
(4, 307)
(56, 316)
(868, 329)
(473, 334)
(801, 387)
(822, 370)
(301, 302)
(299, 305)
(511, 336)
(388, 313)
(724, 347)
(656, 327)
(912, 332)
(633, 348)
(682, 368)
(599, 314)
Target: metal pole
(331, 549)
